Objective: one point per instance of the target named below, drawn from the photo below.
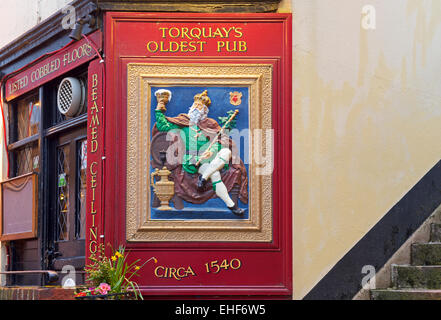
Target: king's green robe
(196, 142)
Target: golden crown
(203, 98)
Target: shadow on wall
(344, 280)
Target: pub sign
(193, 151)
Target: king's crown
(203, 98)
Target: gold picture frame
(139, 225)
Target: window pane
(63, 193)
(80, 218)
(28, 117)
(27, 159)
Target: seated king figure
(200, 155)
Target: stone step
(435, 232)
(405, 294)
(426, 254)
(424, 277)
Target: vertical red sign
(95, 159)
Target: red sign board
(95, 152)
(244, 61)
(53, 66)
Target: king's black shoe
(236, 210)
(201, 183)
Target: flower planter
(110, 296)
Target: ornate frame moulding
(139, 225)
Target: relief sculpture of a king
(202, 174)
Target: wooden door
(69, 202)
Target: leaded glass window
(63, 173)
(24, 126)
(80, 231)
(28, 117)
(27, 159)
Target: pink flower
(103, 288)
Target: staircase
(421, 280)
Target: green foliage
(231, 124)
(114, 271)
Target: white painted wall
(18, 16)
(366, 120)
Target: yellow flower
(137, 268)
(113, 258)
(118, 254)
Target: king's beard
(197, 115)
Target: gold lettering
(93, 145)
(176, 48)
(94, 121)
(184, 33)
(93, 233)
(201, 43)
(93, 182)
(183, 46)
(156, 272)
(92, 165)
(194, 34)
(94, 133)
(155, 46)
(206, 35)
(94, 80)
(180, 275)
(192, 46)
(238, 31)
(19, 84)
(242, 46)
(172, 272)
(227, 32)
(92, 246)
(163, 31)
(197, 33)
(220, 44)
(94, 107)
(94, 93)
(217, 33)
(190, 270)
(170, 32)
(234, 43)
(232, 46)
(92, 205)
(65, 58)
(161, 47)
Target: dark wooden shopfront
(52, 146)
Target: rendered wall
(366, 120)
(18, 16)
